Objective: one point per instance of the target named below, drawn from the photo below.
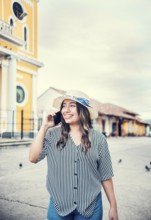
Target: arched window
(25, 37)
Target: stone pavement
(23, 195)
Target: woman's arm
(109, 191)
(37, 145)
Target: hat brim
(58, 101)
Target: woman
(78, 161)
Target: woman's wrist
(113, 205)
(44, 127)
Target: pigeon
(20, 165)
(147, 168)
(120, 160)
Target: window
(20, 95)
(18, 10)
(25, 34)
(11, 22)
(25, 37)
(103, 125)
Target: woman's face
(69, 112)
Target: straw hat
(79, 97)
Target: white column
(110, 125)
(130, 125)
(11, 91)
(4, 87)
(3, 118)
(34, 101)
(107, 126)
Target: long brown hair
(85, 124)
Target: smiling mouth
(68, 116)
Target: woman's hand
(109, 191)
(113, 215)
(48, 120)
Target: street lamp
(24, 14)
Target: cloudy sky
(101, 47)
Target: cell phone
(57, 118)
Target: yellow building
(18, 66)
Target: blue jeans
(75, 215)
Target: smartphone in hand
(57, 118)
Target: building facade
(18, 65)
(114, 120)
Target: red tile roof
(117, 111)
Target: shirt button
(75, 174)
(75, 203)
(75, 187)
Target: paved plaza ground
(23, 195)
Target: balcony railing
(5, 27)
(10, 34)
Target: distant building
(18, 65)
(112, 120)
(45, 100)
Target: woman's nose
(67, 109)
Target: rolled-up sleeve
(105, 164)
(46, 144)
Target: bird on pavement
(20, 165)
(147, 168)
(120, 160)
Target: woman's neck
(75, 134)
(75, 128)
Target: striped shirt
(74, 178)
